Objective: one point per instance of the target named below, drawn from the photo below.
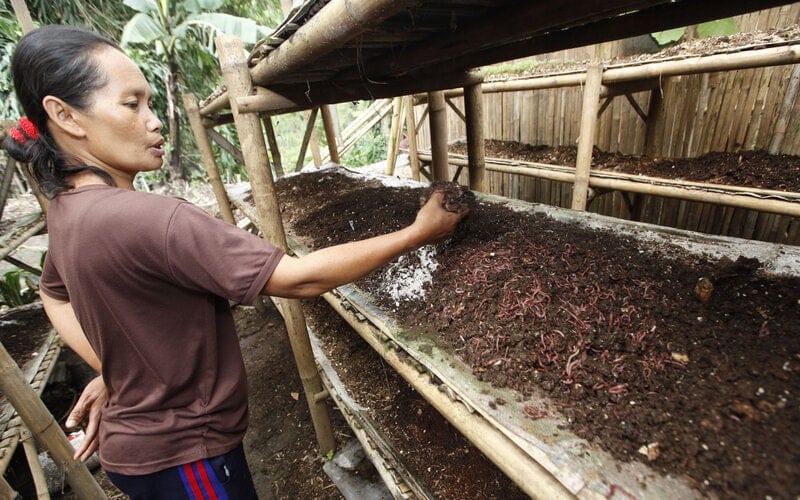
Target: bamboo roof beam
(276, 101)
(336, 24)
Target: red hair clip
(26, 130)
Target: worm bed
(586, 346)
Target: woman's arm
(327, 268)
(63, 318)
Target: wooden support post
(476, 151)
(583, 162)
(438, 124)
(301, 156)
(330, 132)
(43, 426)
(274, 150)
(313, 144)
(201, 137)
(237, 79)
(395, 130)
(411, 130)
(204, 144)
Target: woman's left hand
(92, 400)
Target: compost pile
(623, 338)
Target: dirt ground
(621, 337)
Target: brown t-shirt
(149, 278)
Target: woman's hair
(55, 61)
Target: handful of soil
(457, 198)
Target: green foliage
(371, 148)
(719, 27)
(18, 287)
(668, 36)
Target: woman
(138, 284)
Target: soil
(622, 337)
(755, 169)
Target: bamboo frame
(238, 82)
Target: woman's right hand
(433, 223)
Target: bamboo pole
(203, 143)
(44, 427)
(699, 192)
(394, 130)
(6, 491)
(225, 144)
(224, 204)
(273, 145)
(23, 15)
(311, 117)
(411, 127)
(583, 162)
(313, 143)
(476, 151)
(438, 125)
(32, 456)
(330, 132)
(237, 80)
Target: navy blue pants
(226, 477)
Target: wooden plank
(712, 116)
(748, 98)
(754, 127)
(774, 100)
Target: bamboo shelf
(538, 455)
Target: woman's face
(123, 135)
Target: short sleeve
(51, 282)
(207, 254)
